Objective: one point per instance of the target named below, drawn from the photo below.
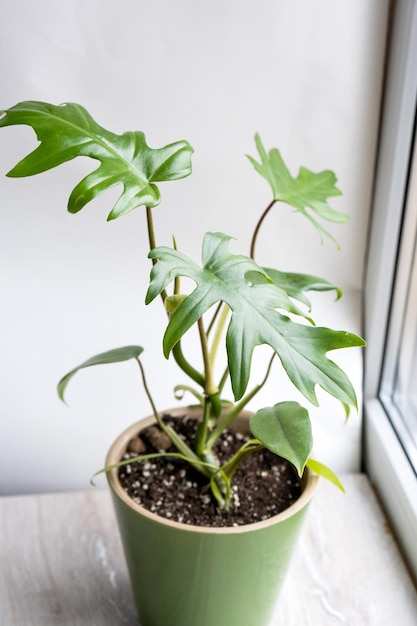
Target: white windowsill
(347, 568)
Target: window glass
(399, 380)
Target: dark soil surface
(263, 485)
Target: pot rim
(118, 448)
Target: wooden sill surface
(61, 564)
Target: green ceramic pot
(185, 575)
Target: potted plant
(221, 560)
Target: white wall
(306, 74)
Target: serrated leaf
(116, 355)
(308, 193)
(255, 319)
(68, 131)
(285, 429)
(325, 472)
(295, 284)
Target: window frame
(385, 459)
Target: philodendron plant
(234, 298)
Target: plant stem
(212, 470)
(210, 390)
(177, 352)
(210, 387)
(151, 230)
(152, 241)
(257, 228)
(148, 393)
(218, 332)
(176, 440)
(186, 367)
(230, 467)
(224, 309)
(237, 408)
(203, 428)
(216, 312)
(177, 280)
(223, 379)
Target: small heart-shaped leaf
(285, 429)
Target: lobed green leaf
(308, 193)
(68, 131)
(255, 319)
(295, 284)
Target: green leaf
(284, 284)
(68, 131)
(254, 321)
(322, 470)
(111, 356)
(295, 285)
(308, 193)
(285, 429)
